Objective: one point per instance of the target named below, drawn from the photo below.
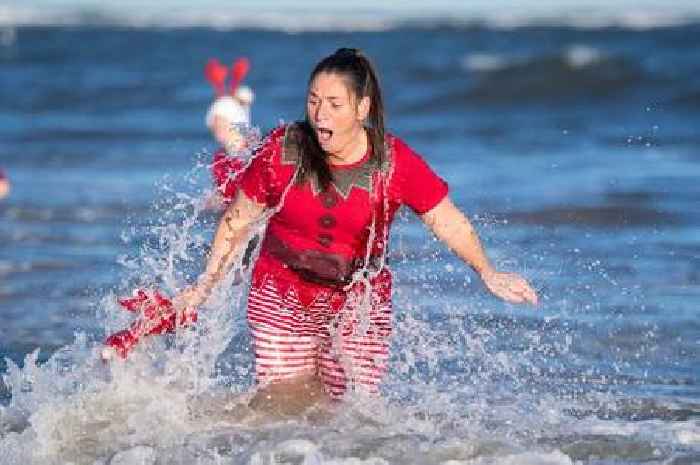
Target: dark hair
(362, 80)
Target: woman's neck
(353, 151)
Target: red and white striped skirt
(329, 334)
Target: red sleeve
(416, 183)
(225, 170)
(265, 178)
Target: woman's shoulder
(276, 134)
(283, 134)
(271, 143)
(400, 151)
(279, 149)
(405, 160)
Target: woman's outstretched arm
(229, 242)
(450, 225)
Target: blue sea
(574, 150)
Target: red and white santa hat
(232, 102)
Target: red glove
(158, 316)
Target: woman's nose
(320, 112)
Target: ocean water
(574, 150)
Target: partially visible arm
(454, 229)
(229, 242)
(227, 134)
(450, 225)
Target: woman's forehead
(330, 85)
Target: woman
(319, 306)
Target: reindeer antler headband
(216, 74)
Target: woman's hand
(192, 297)
(454, 229)
(509, 287)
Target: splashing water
(469, 384)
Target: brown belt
(316, 266)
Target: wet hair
(361, 79)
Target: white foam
(168, 404)
(525, 458)
(356, 461)
(689, 434)
(579, 56)
(141, 455)
(652, 431)
(484, 62)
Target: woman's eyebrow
(330, 97)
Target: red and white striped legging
(345, 349)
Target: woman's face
(335, 113)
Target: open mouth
(324, 135)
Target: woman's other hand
(510, 287)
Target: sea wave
(575, 56)
(575, 71)
(300, 20)
(32, 213)
(604, 216)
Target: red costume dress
(306, 306)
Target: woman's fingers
(514, 289)
(531, 295)
(525, 291)
(515, 296)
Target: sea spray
(471, 381)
